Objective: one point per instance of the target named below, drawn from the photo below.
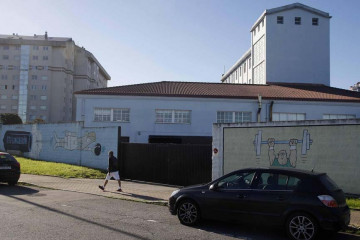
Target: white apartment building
(39, 74)
(288, 44)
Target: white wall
(297, 53)
(203, 113)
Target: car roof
(285, 170)
(4, 153)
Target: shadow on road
(143, 197)
(247, 231)
(16, 190)
(78, 218)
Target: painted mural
(283, 153)
(17, 140)
(68, 143)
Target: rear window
(328, 183)
(6, 158)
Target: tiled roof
(273, 91)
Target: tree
(10, 118)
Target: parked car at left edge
(9, 169)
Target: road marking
(151, 220)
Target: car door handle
(241, 196)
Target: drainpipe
(259, 109)
(270, 111)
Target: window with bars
(112, 114)
(233, 117)
(173, 116)
(288, 117)
(339, 116)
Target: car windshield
(6, 158)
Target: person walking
(113, 171)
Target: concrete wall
(298, 53)
(325, 146)
(67, 143)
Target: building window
(34, 77)
(43, 97)
(14, 97)
(32, 97)
(339, 116)
(102, 114)
(44, 78)
(173, 116)
(14, 107)
(297, 20)
(121, 114)
(33, 107)
(35, 47)
(33, 87)
(288, 117)
(6, 48)
(233, 117)
(315, 21)
(43, 107)
(4, 77)
(45, 48)
(15, 77)
(3, 107)
(43, 87)
(6, 57)
(3, 97)
(17, 47)
(280, 19)
(45, 58)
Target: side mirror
(213, 187)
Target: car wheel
(12, 183)
(301, 226)
(188, 212)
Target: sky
(140, 41)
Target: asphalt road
(33, 214)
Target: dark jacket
(113, 164)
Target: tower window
(297, 20)
(280, 19)
(315, 21)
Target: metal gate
(175, 164)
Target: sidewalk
(136, 191)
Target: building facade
(288, 44)
(39, 75)
(184, 112)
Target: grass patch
(353, 203)
(36, 167)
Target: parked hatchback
(9, 169)
(303, 202)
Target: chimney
(46, 36)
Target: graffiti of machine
(17, 140)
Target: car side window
(274, 181)
(240, 180)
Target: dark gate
(175, 164)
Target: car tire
(12, 183)
(301, 226)
(188, 212)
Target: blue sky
(140, 41)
